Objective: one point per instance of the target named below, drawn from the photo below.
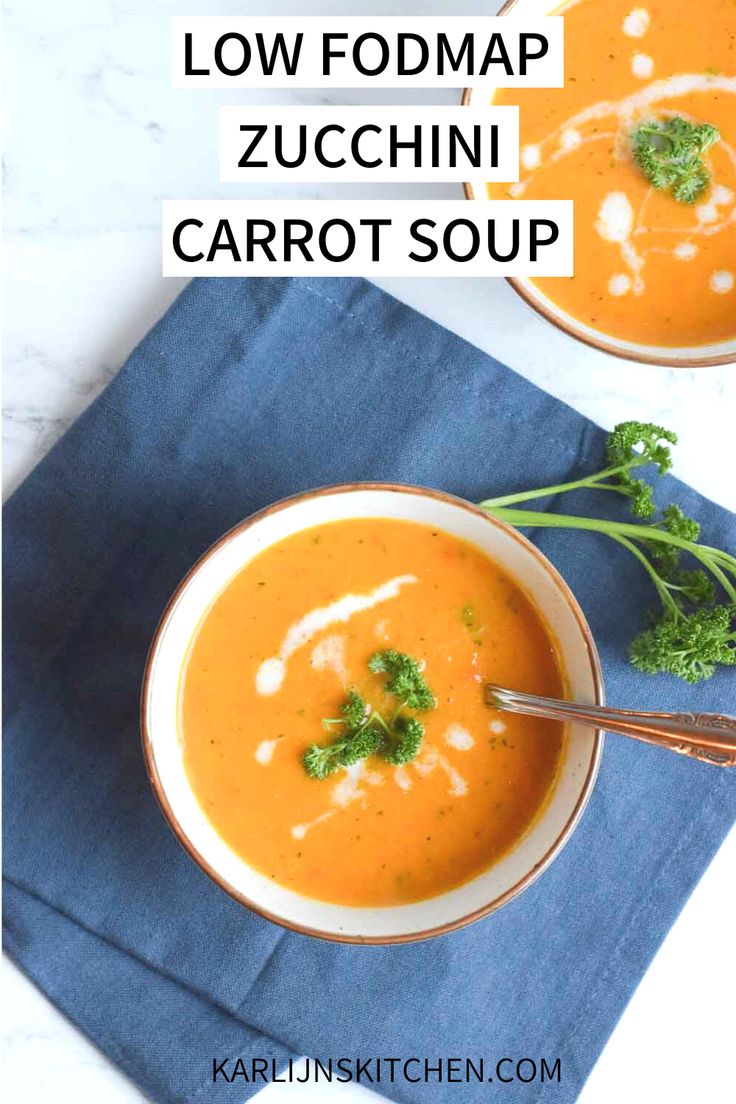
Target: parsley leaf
(405, 679)
(407, 734)
(362, 736)
(689, 647)
(669, 153)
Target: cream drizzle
(264, 752)
(344, 792)
(619, 284)
(402, 778)
(350, 786)
(636, 23)
(431, 759)
(458, 737)
(272, 671)
(329, 655)
(721, 282)
(642, 66)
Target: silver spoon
(710, 737)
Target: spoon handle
(710, 737)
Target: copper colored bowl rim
(555, 847)
(567, 324)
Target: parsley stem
(715, 560)
(726, 561)
(595, 480)
(532, 518)
(663, 588)
(714, 568)
(376, 715)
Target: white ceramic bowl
(163, 746)
(695, 356)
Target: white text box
(367, 238)
(367, 51)
(358, 144)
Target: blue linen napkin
(247, 391)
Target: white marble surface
(95, 138)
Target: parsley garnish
(405, 678)
(669, 153)
(690, 647)
(362, 736)
(365, 731)
(405, 739)
(692, 633)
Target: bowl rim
(567, 324)
(552, 851)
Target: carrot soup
(332, 713)
(643, 139)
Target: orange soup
(648, 268)
(280, 650)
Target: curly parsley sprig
(405, 679)
(365, 731)
(669, 153)
(695, 630)
(362, 735)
